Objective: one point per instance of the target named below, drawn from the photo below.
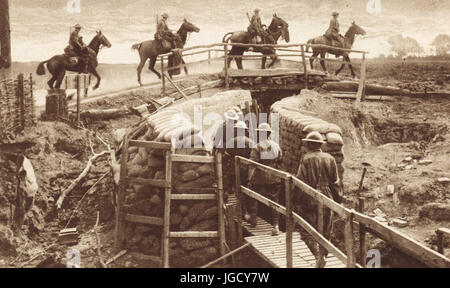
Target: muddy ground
(383, 134)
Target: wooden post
(5, 37)
(220, 202)
(21, 98)
(320, 226)
(305, 67)
(78, 97)
(120, 221)
(289, 222)
(362, 235)
(163, 79)
(209, 56)
(230, 216)
(87, 81)
(239, 196)
(361, 94)
(348, 234)
(227, 80)
(166, 228)
(440, 241)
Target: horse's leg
(51, 81)
(60, 78)
(347, 58)
(322, 62)
(185, 67)
(313, 57)
(340, 68)
(152, 67)
(139, 70)
(94, 71)
(274, 60)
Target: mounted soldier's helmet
(241, 125)
(231, 115)
(314, 137)
(257, 10)
(77, 26)
(335, 14)
(165, 15)
(264, 127)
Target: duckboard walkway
(273, 248)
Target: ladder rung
(192, 158)
(194, 234)
(144, 219)
(150, 144)
(157, 183)
(194, 196)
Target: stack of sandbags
(295, 125)
(174, 125)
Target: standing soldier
(268, 153)
(333, 30)
(318, 170)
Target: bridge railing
(351, 217)
(298, 50)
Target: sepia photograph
(236, 136)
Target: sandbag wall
(186, 179)
(295, 125)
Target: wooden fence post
(305, 67)
(440, 241)
(361, 94)
(237, 171)
(78, 97)
(348, 234)
(21, 98)
(362, 235)
(120, 221)
(227, 80)
(220, 203)
(209, 56)
(167, 200)
(163, 77)
(289, 221)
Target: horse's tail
(136, 46)
(310, 41)
(226, 38)
(41, 68)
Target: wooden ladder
(122, 218)
(217, 195)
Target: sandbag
(323, 128)
(334, 138)
(189, 175)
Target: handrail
(393, 237)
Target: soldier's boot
(253, 218)
(275, 223)
(253, 211)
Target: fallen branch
(99, 254)
(120, 254)
(84, 173)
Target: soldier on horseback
(164, 33)
(76, 47)
(333, 31)
(256, 29)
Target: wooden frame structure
(351, 217)
(296, 50)
(170, 157)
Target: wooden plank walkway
(273, 248)
(271, 72)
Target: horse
(151, 49)
(277, 28)
(58, 65)
(348, 44)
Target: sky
(40, 28)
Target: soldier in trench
(319, 171)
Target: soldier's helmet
(241, 125)
(231, 115)
(264, 127)
(314, 137)
(236, 109)
(335, 14)
(165, 15)
(77, 26)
